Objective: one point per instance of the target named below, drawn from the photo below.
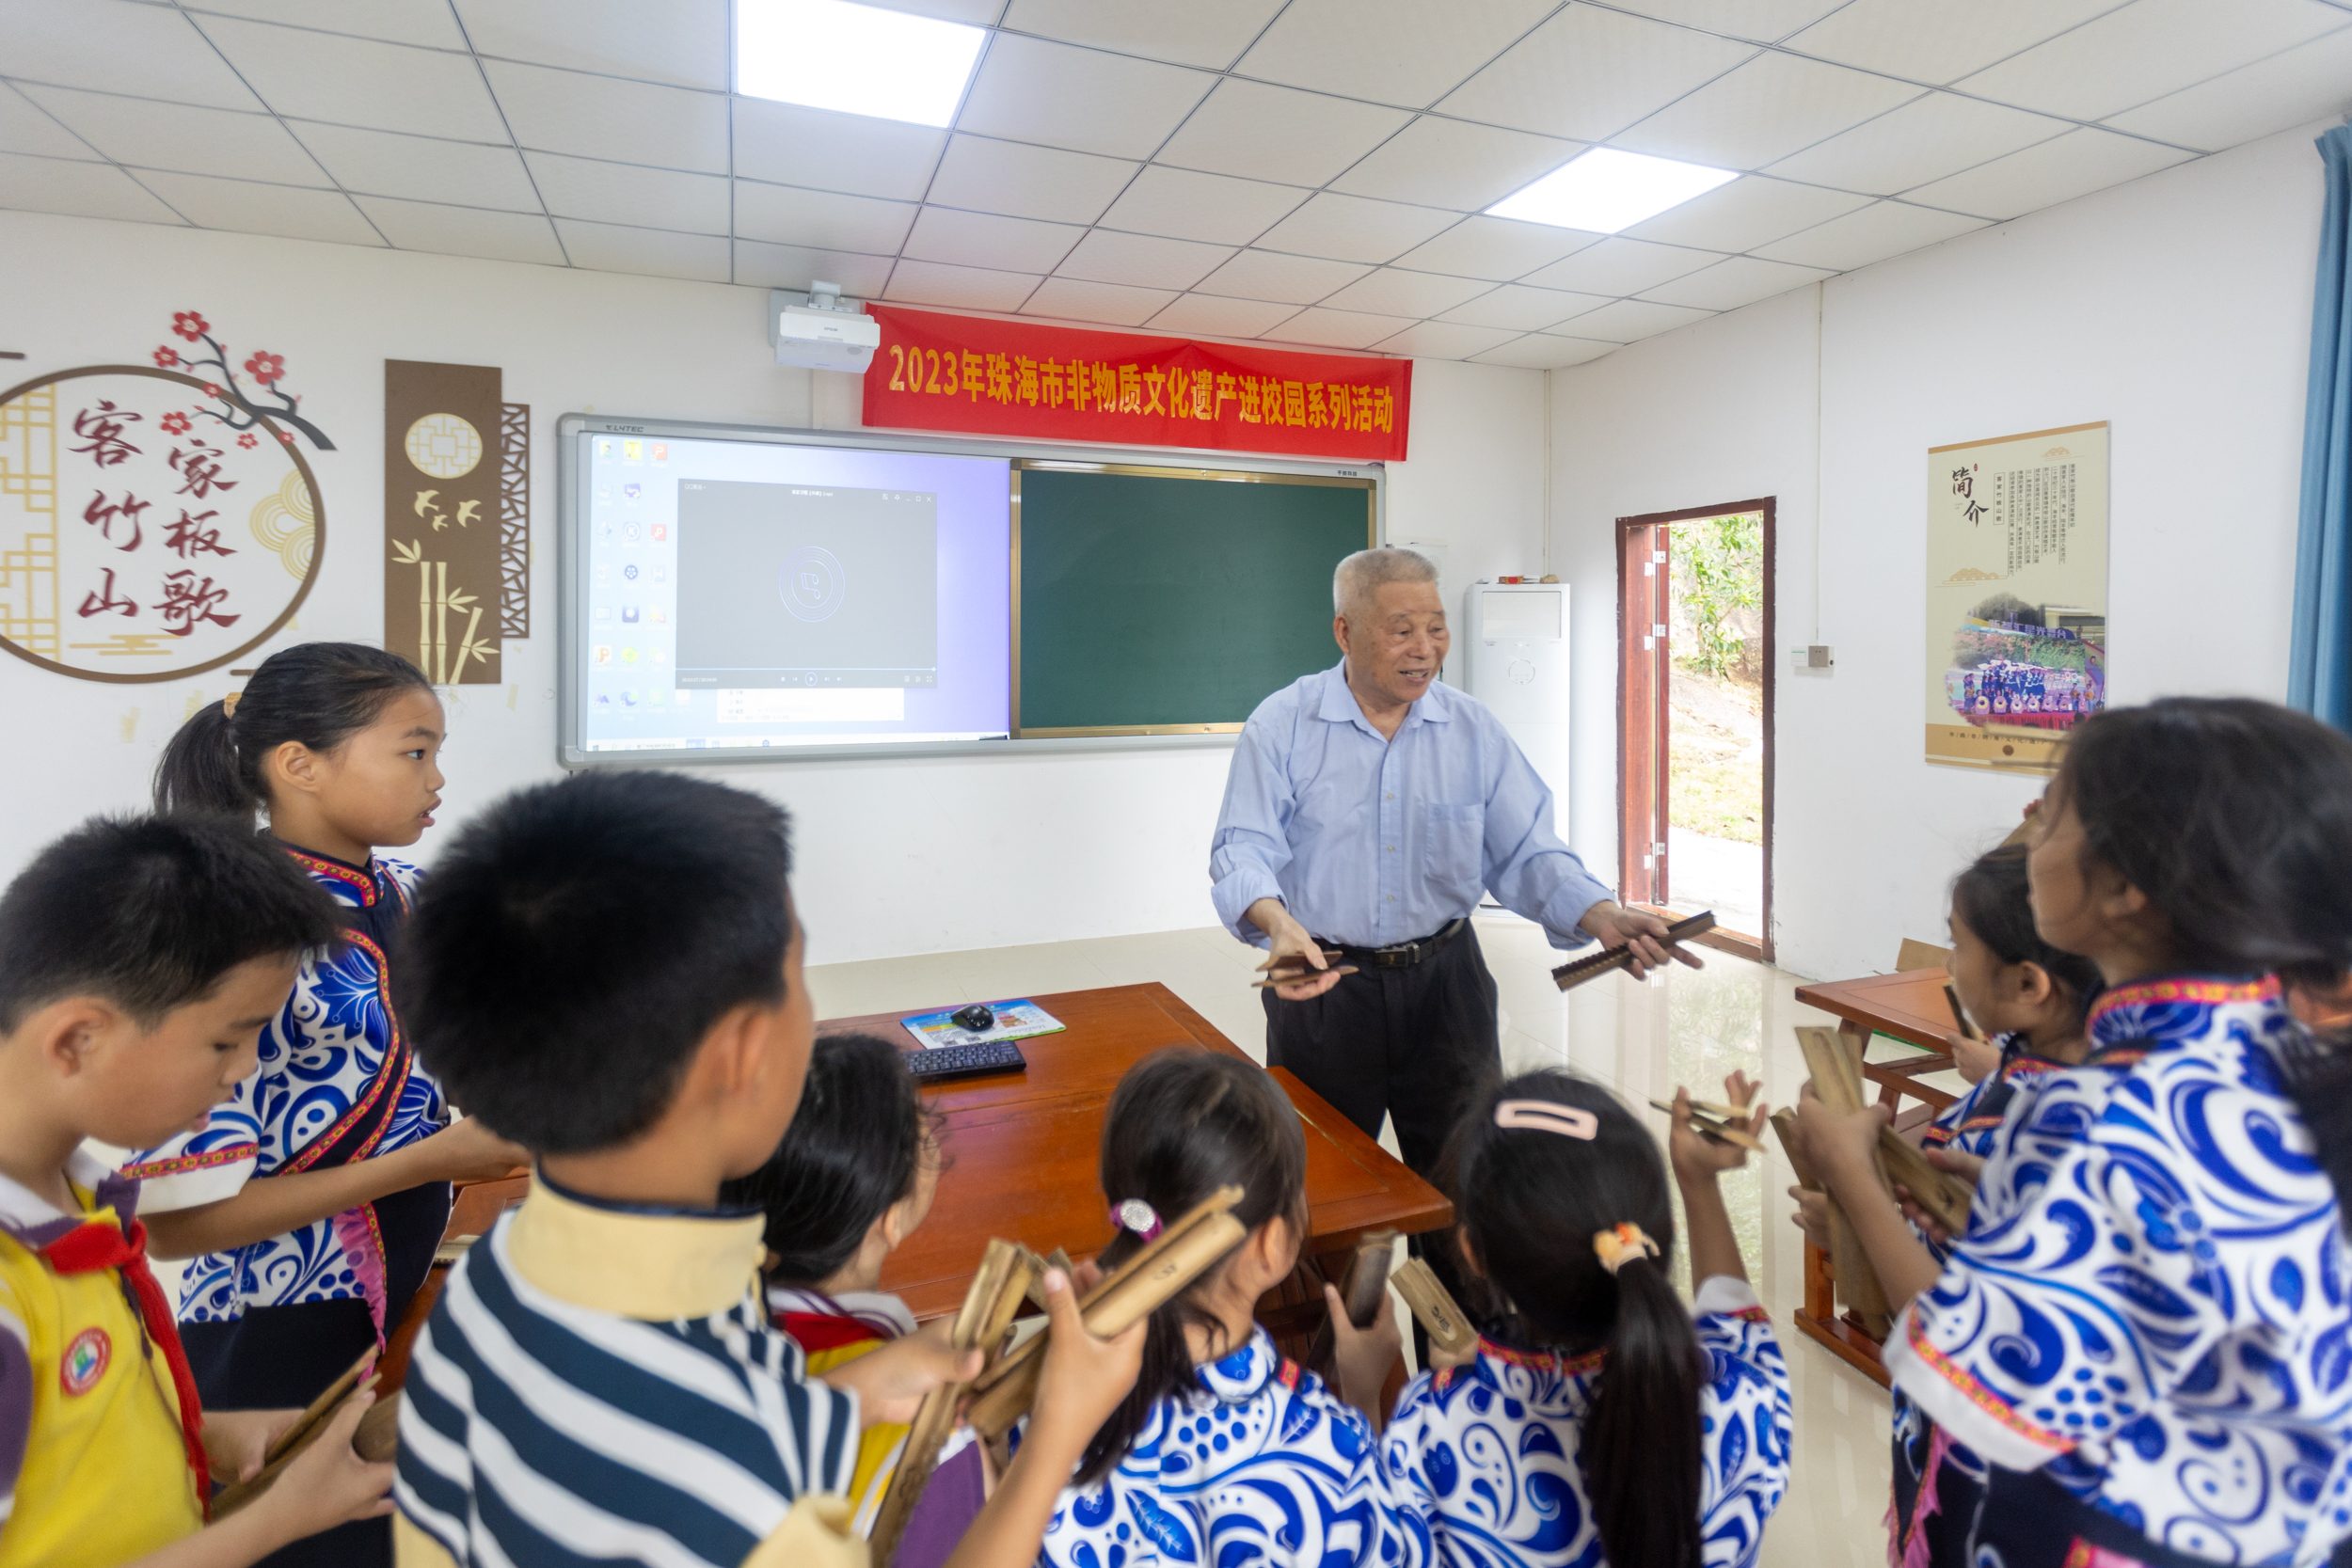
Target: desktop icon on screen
(633, 451)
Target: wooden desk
(1021, 1152)
(1911, 1008)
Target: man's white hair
(1361, 575)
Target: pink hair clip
(1548, 1116)
(1133, 1215)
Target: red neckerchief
(96, 1244)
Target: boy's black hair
(854, 1148)
(2234, 817)
(318, 693)
(1993, 899)
(1529, 1202)
(1182, 1123)
(578, 941)
(148, 913)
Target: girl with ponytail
(1225, 1451)
(313, 1199)
(2143, 1331)
(1601, 1421)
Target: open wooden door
(1643, 676)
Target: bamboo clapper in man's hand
(1182, 1252)
(1609, 960)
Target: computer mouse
(978, 1018)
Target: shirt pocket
(1452, 853)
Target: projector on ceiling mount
(821, 331)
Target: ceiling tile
(384, 86)
(972, 13)
(1625, 321)
(246, 208)
(2146, 50)
(1186, 205)
(1621, 266)
(1354, 228)
(1938, 43)
(84, 190)
(1925, 140)
(686, 47)
(117, 46)
(2301, 84)
(1881, 229)
(464, 231)
(1523, 308)
(624, 194)
(1589, 73)
(1495, 249)
(24, 127)
(1210, 33)
(140, 131)
(420, 168)
(786, 266)
(1110, 302)
(823, 151)
(597, 117)
(1338, 328)
(985, 240)
(1444, 341)
(1748, 212)
(972, 287)
(1393, 51)
(1741, 280)
(2073, 165)
(1390, 292)
(1142, 261)
(1450, 163)
(1288, 280)
(1541, 351)
(1032, 90)
(1766, 109)
(1221, 318)
(1260, 131)
(652, 252)
(428, 24)
(1765, 20)
(1027, 181)
(821, 220)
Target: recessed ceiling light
(858, 59)
(1605, 190)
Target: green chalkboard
(1171, 601)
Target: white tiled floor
(1641, 1037)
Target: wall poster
(2017, 595)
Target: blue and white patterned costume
(336, 1082)
(1494, 1446)
(1259, 1464)
(2149, 1307)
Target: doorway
(1694, 717)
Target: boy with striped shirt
(607, 970)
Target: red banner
(976, 375)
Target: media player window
(797, 585)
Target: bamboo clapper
(1185, 1249)
(1433, 1306)
(1366, 1287)
(376, 1438)
(1837, 1082)
(1723, 1123)
(1570, 976)
(1292, 976)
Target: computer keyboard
(939, 1063)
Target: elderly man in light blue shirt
(1369, 808)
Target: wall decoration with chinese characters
(159, 521)
(2017, 595)
(974, 375)
(456, 520)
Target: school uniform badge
(85, 1361)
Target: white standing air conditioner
(1518, 665)
(818, 331)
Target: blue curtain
(2320, 681)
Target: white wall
(1065, 845)
(2178, 308)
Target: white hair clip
(1548, 1116)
